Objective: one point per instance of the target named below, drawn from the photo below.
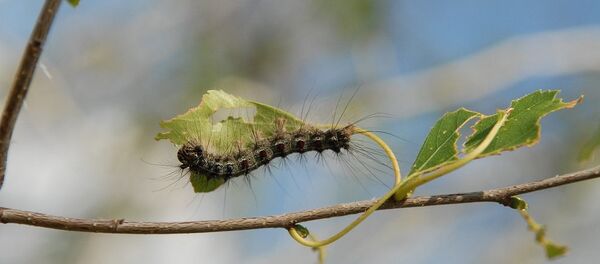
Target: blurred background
(84, 142)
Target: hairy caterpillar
(214, 153)
(226, 166)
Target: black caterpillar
(226, 166)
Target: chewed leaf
(201, 125)
(267, 115)
(197, 123)
(523, 125)
(440, 145)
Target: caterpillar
(282, 143)
(215, 152)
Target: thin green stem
(320, 250)
(406, 186)
(398, 178)
(552, 249)
(388, 152)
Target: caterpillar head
(190, 155)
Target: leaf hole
(246, 113)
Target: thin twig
(23, 77)
(500, 195)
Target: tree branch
(500, 195)
(23, 77)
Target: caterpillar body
(197, 159)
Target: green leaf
(74, 3)
(440, 145)
(202, 183)
(523, 125)
(198, 125)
